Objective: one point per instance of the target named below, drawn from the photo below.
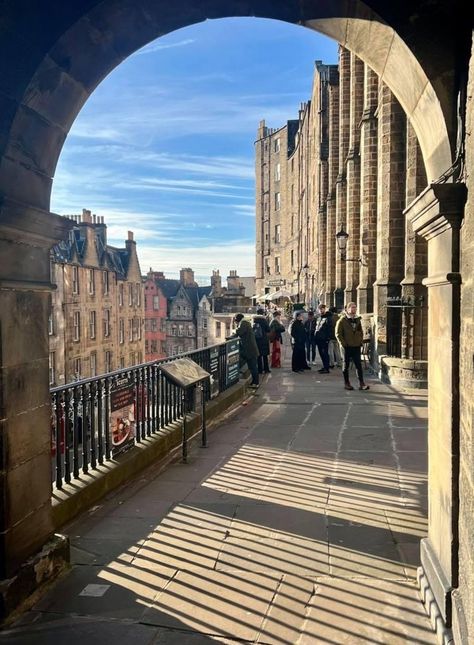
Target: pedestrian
(333, 347)
(350, 335)
(276, 330)
(248, 346)
(323, 336)
(310, 330)
(298, 359)
(261, 329)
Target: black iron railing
(95, 419)
(406, 322)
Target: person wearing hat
(298, 359)
(248, 346)
(261, 329)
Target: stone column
(26, 236)
(333, 171)
(390, 221)
(368, 206)
(341, 183)
(436, 215)
(353, 176)
(414, 321)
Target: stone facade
(351, 165)
(156, 309)
(97, 312)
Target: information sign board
(232, 361)
(214, 368)
(184, 372)
(122, 415)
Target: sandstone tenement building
(96, 318)
(349, 164)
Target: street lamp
(341, 240)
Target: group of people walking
(328, 331)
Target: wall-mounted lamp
(341, 239)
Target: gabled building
(96, 317)
(179, 326)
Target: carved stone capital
(438, 208)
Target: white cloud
(235, 254)
(158, 46)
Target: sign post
(186, 374)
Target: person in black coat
(298, 333)
(261, 330)
(323, 335)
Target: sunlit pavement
(299, 524)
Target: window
(292, 194)
(180, 330)
(276, 145)
(105, 282)
(107, 323)
(77, 325)
(204, 323)
(292, 259)
(77, 368)
(292, 165)
(146, 347)
(130, 295)
(122, 362)
(163, 324)
(52, 368)
(180, 349)
(154, 324)
(190, 330)
(120, 294)
(277, 234)
(277, 264)
(277, 172)
(154, 347)
(91, 282)
(92, 319)
(51, 324)
(130, 330)
(139, 294)
(75, 280)
(218, 329)
(173, 330)
(121, 331)
(156, 302)
(108, 362)
(93, 364)
(132, 358)
(277, 201)
(267, 266)
(292, 225)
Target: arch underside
(101, 39)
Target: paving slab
(299, 524)
(357, 612)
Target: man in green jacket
(350, 335)
(248, 346)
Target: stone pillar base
(404, 372)
(19, 591)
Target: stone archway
(56, 55)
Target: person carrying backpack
(261, 330)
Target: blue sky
(165, 144)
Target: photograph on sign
(122, 415)
(184, 372)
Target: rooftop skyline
(165, 145)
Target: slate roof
(74, 248)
